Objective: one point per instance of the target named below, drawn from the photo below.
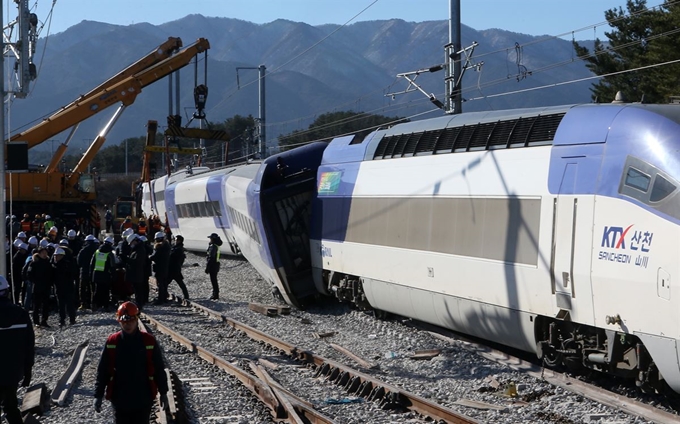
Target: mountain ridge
(310, 70)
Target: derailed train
(552, 230)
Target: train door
(571, 253)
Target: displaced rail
(353, 381)
(72, 373)
(174, 413)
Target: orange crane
(56, 187)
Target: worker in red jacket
(131, 371)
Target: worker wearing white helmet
(161, 265)
(63, 283)
(71, 234)
(83, 260)
(18, 354)
(33, 242)
(18, 261)
(123, 248)
(102, 266)
(21, 236)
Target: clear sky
(534, 17)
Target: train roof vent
(544, 129)
(521, 132)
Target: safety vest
(141, 229)
(112, 344)
(35, 227)
(100, 260)
(26, 226)
(127, 225)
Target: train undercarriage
(559, 342)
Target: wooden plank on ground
(263, 309)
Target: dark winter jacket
(17, 338)
(131, 389)
(62, 272)
(40, 273)
(161, 259)
(84, 259)
(123, 250)
(212, 263)
(105, 275)
(135, 268)
(177, 257)
(18, 261)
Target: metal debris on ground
(425, 354)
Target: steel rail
(597, 394)
(354, 381)
(281, 406)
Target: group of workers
(130, 374)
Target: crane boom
(124, 91)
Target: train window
(661, 189)
(637, 179)
(216, 208)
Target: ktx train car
(551, 230)
(261, 210)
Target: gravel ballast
(213, 396)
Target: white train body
(564, 245)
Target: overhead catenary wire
(307, 50)
(481, 86)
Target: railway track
(556, 378)
(283, 404)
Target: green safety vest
(100, 261)
(49, 224)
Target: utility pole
(3, 250)
(261, 128)
(452, 57)
(23, 50)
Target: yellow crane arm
(124, 91)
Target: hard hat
(63, 242)
(16, 243)
(159, 235)
(59, 251)
(71, 234)
(128, 311)
(4, 285)
(44, 243)
(23, 246)
(127, 232)
(130, 238)
(54, 230)
(21, 235)
(33, 241)
(48, 217)
(108, 240)
(143, 239)
(90, 237)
